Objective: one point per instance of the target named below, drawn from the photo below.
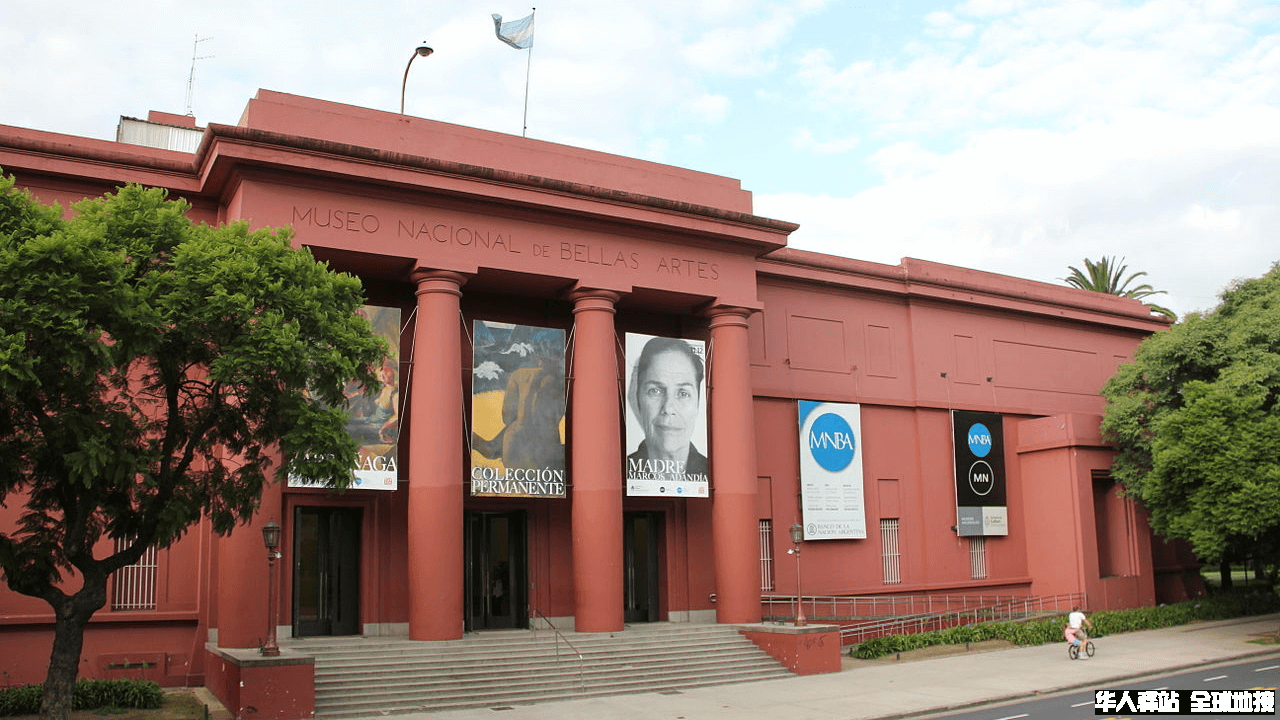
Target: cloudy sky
(1014, 136)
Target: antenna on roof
(191, 78)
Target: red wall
(167, 641)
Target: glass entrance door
(326, 571)
(495, 568)
(640, 570)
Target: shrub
(87, 695)
(21, 700)
(1106, 622)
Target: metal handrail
(889, 614)
(1014, 608)
(851, 607)
(582, 683)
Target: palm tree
(1108, 276)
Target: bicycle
(1082, 641)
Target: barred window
(133, 587)
(766, 556)
(889, 555)
(977, 557)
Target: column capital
(429, 281)
(589, 298)
(727, 315)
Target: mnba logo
(831, 442)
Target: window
(766, 556)
(889, 555)
(977, 557)
(133, 587)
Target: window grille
(766, 556)
(889, 555)
(133, 586)
(977, 558)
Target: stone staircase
(379, 676)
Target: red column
(734, 526)
(596, 465)
(242, 577)
(435, 461)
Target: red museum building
(457, 229)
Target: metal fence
(863, 617)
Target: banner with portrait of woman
(666, 427)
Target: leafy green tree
(139, 351)
(1196, 417)
(1108, 276)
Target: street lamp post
(271, 538)
(797, 537)
(422, 50)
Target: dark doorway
(640, 532)
(326, 571)
(496, 574)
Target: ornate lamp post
(422, 50)
(797, 537)
(271, 538)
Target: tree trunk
(64, 665)
(72, 613)
(1224, 571)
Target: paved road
(1072, 705)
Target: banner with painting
(374, 420)
(979, 473)
(517, 411)
(666, 428)
(831, 487)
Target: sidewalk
(907, 688)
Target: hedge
(1049, 630)
(87, 695)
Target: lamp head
(424, 51)
(271, 535)
(797, 533)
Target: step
(409, 666)
(493, 699)
(375, 676)
(384, 683)
(518, 655)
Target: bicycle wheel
(1088, 649)
(1073, 651)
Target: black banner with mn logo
(981, 507)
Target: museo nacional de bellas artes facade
(613, 392)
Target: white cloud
(804, 140)
(945, 25)
(1201, 218)
(1189, 201)
(1059, 131)
(710, 108)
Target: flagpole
(527, 70)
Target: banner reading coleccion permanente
(979, 469)
(831, 495)
(517, 411)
